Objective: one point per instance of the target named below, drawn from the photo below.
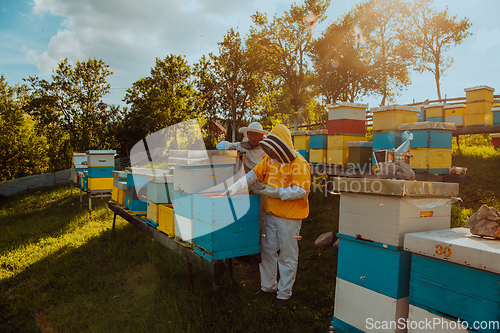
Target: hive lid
(427, 125)
(160, 179)
(433, 105)
(456, 245)
(299, 133)
(495, 109)
(455, 106)
(317, 132)
(396, 108)
(479, 88)
(347, 104)
(150, 172)
(101, 152)
(359, 144)
(393, 187)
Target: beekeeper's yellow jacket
(292, 171)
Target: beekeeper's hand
(224, 145)
(270, 191)
(231, 190)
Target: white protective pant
(279, 233)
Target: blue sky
(129, 34)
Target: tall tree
(388, 49)
(343, 70)
(227, 82)
(164, 98)
(281, 46)
(22, 151)
(71, 105)
(434, 33)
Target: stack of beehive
(435, 112)
(386, 121)
(454, 278)
(318, 143)
(100, 167)
(479, 101)
(160, 194)
(78, 164)
(373, 270)
(197, 171)
(137, 187)
(301, 142)
(346, 123)
(430, 146)
(119, 187)
(456, 114)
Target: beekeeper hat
(253, 127)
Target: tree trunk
(436, 77)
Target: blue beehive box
(379, 267)
(226, 227)
(430, 134)
(318, 141)
(386, 140)
(456, 275)
(100, 171)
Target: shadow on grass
(34, 215)
(126, 282)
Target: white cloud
(485, 40)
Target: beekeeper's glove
(247, 180)
(224, 145)
(270, 191)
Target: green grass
(61, 271)
(483, 177)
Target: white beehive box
(384, 210)
(366, 309)
(346, 110)
(457, 245)
(101, 158)
(79, 160)
(422, 321)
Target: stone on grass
(325, 239)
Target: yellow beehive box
(479, 119)
(121, 197)
(317, 155)
(98, 184)
(166, 219)
(337, 156)
(114, 194)
(428, 158)
(455, 113)
(433, 111)
(386, 118)
(301, 142)
(479, 93)
(336, 142)
(479, 108)
(152, 211)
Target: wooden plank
(361, 307)
(457, 245)
(480, 129)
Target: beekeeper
(252, 135)
(286, 177)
